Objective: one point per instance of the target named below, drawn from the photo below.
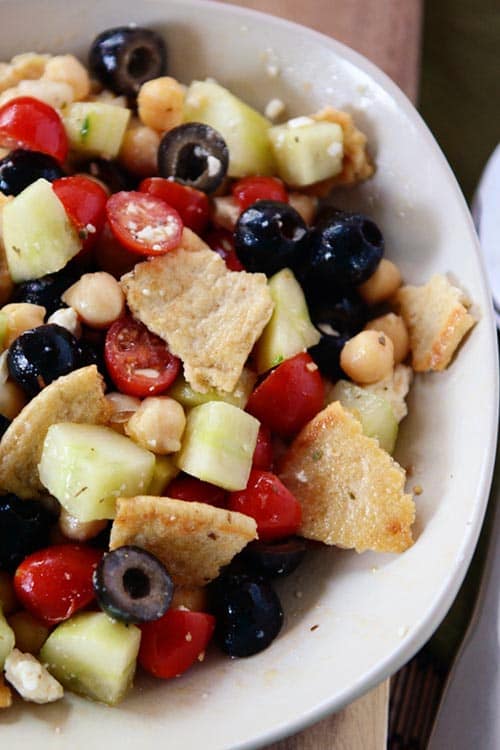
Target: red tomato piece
(111, 256)
(173, 643)
(289, 397)
(263, 453)
(250, 189)
(277, 512)
(56, 582)
(195, 490)
(192, 204)
(222, 242)
(30, 123)
(85, 203)
(139, 363)
(143, 223)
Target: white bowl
(373, 611)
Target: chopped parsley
(317, 455)
(85, 128)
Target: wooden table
(388, 33)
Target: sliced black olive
(248, 613)
(337, 312)
(110, 173)
(194, 154)
(21, 167)
(132, 585)
(24, 528)
(274, 559)
(47, 290)
(125, 57)
(269, 236)
(40, 355)
(326, 354)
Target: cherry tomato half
(139, 363)
(172, 644)
(277, 512)
(143, 223)
(85, 203)
(195, 490)
(250, 189)
(263, 453)
(289, 397)
(32, 124)
(111, 256)
(222, 242)
(55, 582)
(192, 204)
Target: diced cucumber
(218, 444)
(93, 655)
(38, 236)
(307, 151)
(243, 128)
(96, 128)
(165, 470)
(86, 467)
(290, 330)
(7, 639)
(182, 392)
(4, 324)
(373, 411)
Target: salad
(204, 366)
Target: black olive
(47, 290)
(344, 251)
(22, 167)
(4, 424)
(269, 236)
(110, 173)
(326, 354)
(194, 154)
(40, 355)
(132, 585)
(337, 312)
(24, 528)
(125, 57)
(248, 613)
(274, 559)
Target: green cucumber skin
(373, 411)
(7, 639)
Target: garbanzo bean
(21, 316)
(160, 103)
(97, 298)
(122, 408)
(30, 633)
(139, 150)
(394, 327)
(157, 425)
(382, 284)
(367, 357)
(67, 69)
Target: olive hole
(371, 233)
(139, 62)
(289, 229)
(136, 583)
(191, 162)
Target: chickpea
(79, 531)
(139, 150)
(30, 633)
(367, 357)
(21, 316)
(67, 69)
(12, 399)
(57, 94)
(157, 425)
(67, 318)
(394, 327)
(122, 408)
(194, 599)
(160, 103)
(382, 284)
(97, 298)
(305, 205)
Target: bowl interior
(372, 612)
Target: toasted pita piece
(437, 320)
(356, 165)
(193, 540)
(351, 491)
(209, 316)
(5, 694)
(77, 397)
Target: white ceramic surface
(373, 611)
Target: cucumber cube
(290, 330)
(218, 444)
(38, 236)
(86, 467)
(307, 151)
(244, 129)
(93, 655)
(7, 640)
(373, 411)
(182, 392)
(164, 471)
(96, 128)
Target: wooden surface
(388, 33)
